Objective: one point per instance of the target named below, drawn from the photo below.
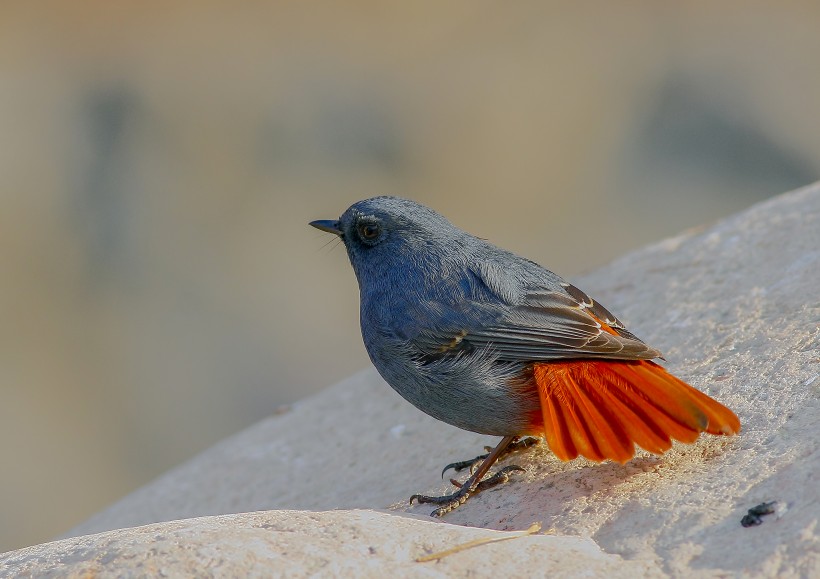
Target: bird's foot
(516, 445)
(471, 486)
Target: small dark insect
(752, 516)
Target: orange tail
(602, 409)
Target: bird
(493, 343)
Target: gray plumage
(454, 323)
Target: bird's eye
(369, 231)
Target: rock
(735, 308)
(305, 544)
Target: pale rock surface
(306, 544)
(735, 308)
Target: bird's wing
(543, 325)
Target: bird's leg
(474, 484)
(516, 445)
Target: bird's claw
(465, 491)
(519, 444)
(462, 464)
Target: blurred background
(159, 161)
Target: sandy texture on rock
(304, 544)
(735, 308)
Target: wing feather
(552, 325)
(553, 322)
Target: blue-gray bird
(491, 342)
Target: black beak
(327, 225)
